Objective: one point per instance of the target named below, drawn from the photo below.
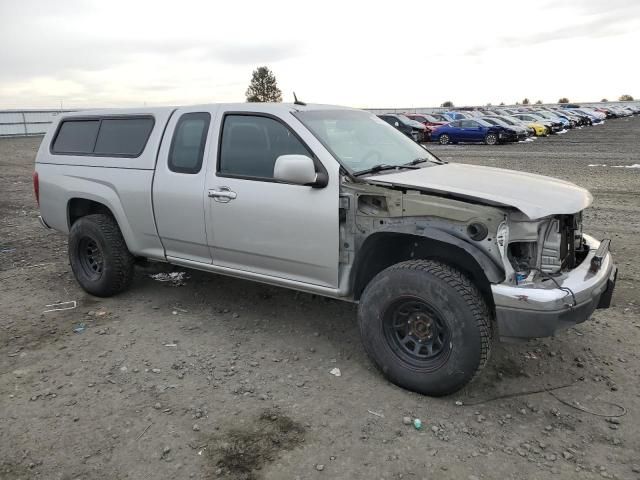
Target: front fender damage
(370, 212)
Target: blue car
(475, 130)
(590, 115)
(453, 115)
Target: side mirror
(299, 170)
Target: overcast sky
(363, 54)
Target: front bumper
(528, 311)
(507, 137)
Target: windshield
(434, 117)
(508, 121)
(405, 120)
(496, 121)
(360, 140)
(484, 123)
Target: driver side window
(250, 145)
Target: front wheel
(425, 326)
(444, 139)
(99, 257)
(491, 139)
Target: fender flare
(493, 272)
(110, 200)
(484, 265)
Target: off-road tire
(461, 306)
(102, 233)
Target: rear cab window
(103, 136)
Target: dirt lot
(226, 378)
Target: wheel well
(382, 250)
(81, 207)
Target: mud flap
(605, 298)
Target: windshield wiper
(416, 161)
(435, 160)
(383, 166)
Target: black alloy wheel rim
(417, 332)
(91, 259)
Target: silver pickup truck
(442, 258)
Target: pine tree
(263, 87)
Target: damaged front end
(555, 275)
(543, 273)
(541, 248)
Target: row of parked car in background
(494, 126)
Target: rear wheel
(444, 139)
(100, 260)
(425, 326)
(491, 139)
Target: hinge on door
(344, 256)
(344, 203)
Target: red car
(430, 120)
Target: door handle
(223, 195)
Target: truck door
(179, 184)
(263, 226)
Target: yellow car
(540, 129)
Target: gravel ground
(221, 377)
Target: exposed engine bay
(545, 247)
